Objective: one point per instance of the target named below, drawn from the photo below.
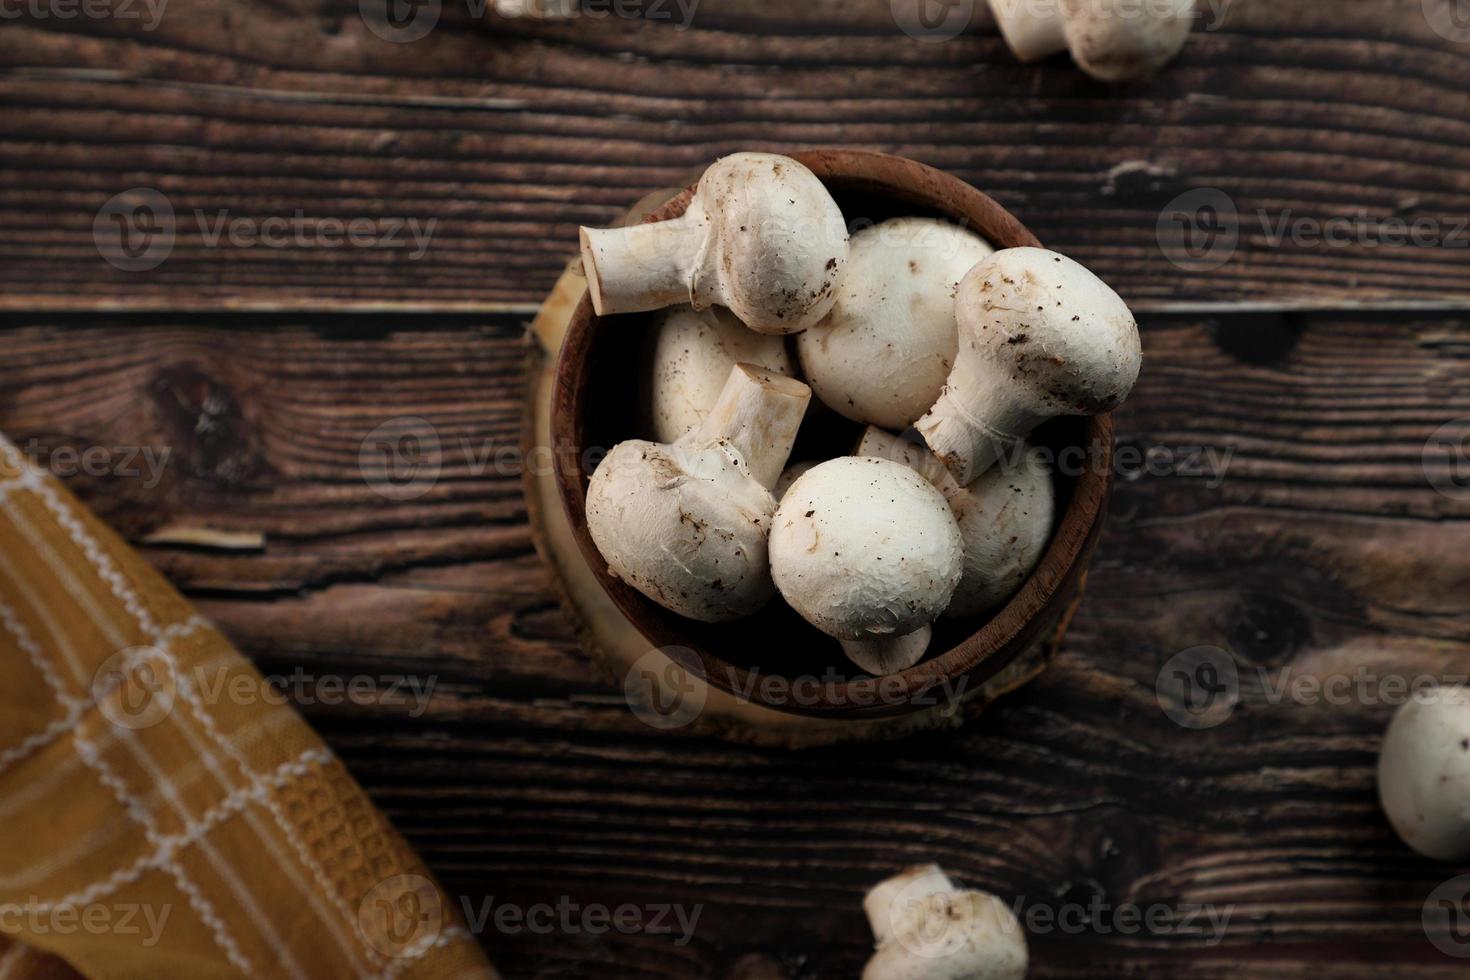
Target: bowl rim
(1006, 633)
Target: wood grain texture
(508, 133)
(1322, 549)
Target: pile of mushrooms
(951, 354)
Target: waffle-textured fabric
(159, 817)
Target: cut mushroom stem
(687, 523)
(761, 236)
(1040, 336)
(759, 413)
(927, 929)
(641, 267)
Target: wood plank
(1323, 549)
(508, 133)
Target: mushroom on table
(1111, 40)
(1424, 773)
(927, 929)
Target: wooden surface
(509, 133)
(1325, 547)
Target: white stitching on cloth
(90, 756)
(359, 955)
(167, 845)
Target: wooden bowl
(758, 658)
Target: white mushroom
(881, 355)
(790, 475)
(690, 356)
(1111, 40)
(761, 236)
(1005, 519)
(1040, 336)
(867, 551)
(686, 523)
(1424, 773)
(927, 929)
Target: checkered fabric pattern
(154, 823)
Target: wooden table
(1320, 369)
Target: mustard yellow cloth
(157, 821)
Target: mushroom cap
(1122, 40)
(1424, 774)
(692, 352)
(790, 475)
(1005, 518)
(1050, 326)
(684, 525)
(776, 243)
(928, 930)
(865, 547)
(883, 352)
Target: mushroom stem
(644, 266)
(914, 885)
(884, 655)
(975, 423)
(758, 412)
(1033, 29)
